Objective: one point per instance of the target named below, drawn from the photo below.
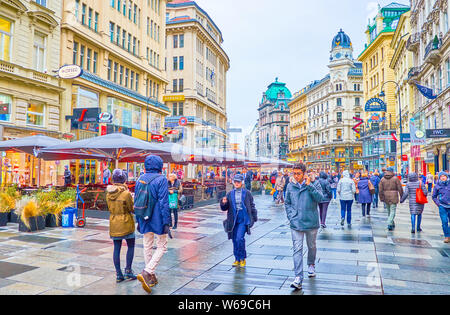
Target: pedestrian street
(364, 259)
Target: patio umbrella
(29, 145)
(116, 147)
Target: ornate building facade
(329, 107)
(273, 123)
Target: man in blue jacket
(303, 196)
(159, 222)
(241, 217)
(441, 197)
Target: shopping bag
(421, 199)
(173, 201)
(273, 191)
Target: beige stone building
(197, 66)
(29, 91)
(120, 45)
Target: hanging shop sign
(406, 137)
(105, 118)
(418, 136)
(376, 105)
(383, 138)
(85, 114)
(70, 72)
(174, 98)
(183, 121)
(438, 133)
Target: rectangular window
(124, 38)
(121, 75)
(175, 63)
(5, 101)
(82, 50)
(175, 86)
(339, 117)
(175, 41)
(39, 52)
(116, 67)
(181, 63)
(339, 102)
(83, 14)
(35, 114)
(357, 101)
(127, 72)
(94, 68)
(90, 18)
(181, 40)
(137, 82)
(96, 22)
(111, 31)
(88, 59)
(180, 85)
(118, 35)
(132, 80)
(5, 40)
(109, 69)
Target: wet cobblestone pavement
(362, 259)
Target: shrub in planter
(7, 203)
(31, 218)
(51, 204)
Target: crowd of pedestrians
(306, 195)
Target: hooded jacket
(346, 188)
(411, 190)
(441, 192)
(326, 187)
(159, 189)
(390, 188)
(120, 206)
(302, 204)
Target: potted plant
(7, 204)
(268, 187)
(62, 201)
(31, 218)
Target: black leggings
(363, 206)
(175, 216)
(130, 253)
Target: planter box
(13, 217)
(36, 224)
(4, 218)
(53, 221)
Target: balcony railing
(413, 73)
(382, 127)
(413, 42)
(432, 51)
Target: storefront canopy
(29, 145)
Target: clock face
(419, 134)
(338, 55)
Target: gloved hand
(167, 231)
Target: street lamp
(383, 94)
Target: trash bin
(67, 217)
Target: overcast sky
(289, 39)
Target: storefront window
(87, 99)
(5, 101)
(35, 114)
(125, 114)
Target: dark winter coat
(326, 187)
(410, 191)
(441, 194)
(375, 179)
(160, 191)
(120, 205)
(390, 189)
(364, 195)
(67, 177)
(302, 204)
(248, 205)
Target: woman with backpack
(327, 196)
(121, 223)
(175, 191)
(416, 208)
(366, 189)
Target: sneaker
(236, 263)
(419, 230)
(413, 231)
(129, 274)
(390, 228)
(311, 271)
(342, 222)
(447, 240)
(297, 284)
(146, 280)
(120, 278)
(243, 263)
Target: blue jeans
(413, 221)
(444, 213)
(239, 241)
(375, 198)
(334, 192)
(346, 207)
(130, 254)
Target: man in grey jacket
(303, 196)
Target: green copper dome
(278, 90)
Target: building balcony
(413, 74)
(413, 42)
(29, 74)
(432, 52)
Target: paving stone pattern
(362, 259)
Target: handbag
(421, 199)
(371, 188)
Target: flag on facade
(415, 151)
(425, 91)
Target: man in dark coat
(159, 222)
(248, 179)
(441, 197)
(67, 176)
(391, 191)
(241, 217)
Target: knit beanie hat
(119, 177)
